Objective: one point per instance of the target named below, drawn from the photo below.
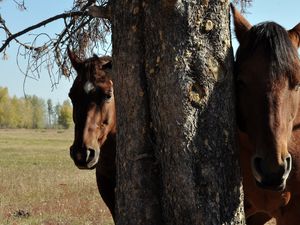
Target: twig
(100, 12)
(51, 19)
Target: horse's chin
(86, 167)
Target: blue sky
(284, 12)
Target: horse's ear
(75, 60)
(294, 35)
(241, 25)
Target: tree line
(33, 112)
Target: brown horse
(267, 83)
(95, 122)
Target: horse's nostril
(90, 154)
(266, 170)
(92, 158)
(78, 156)
(84, 158)
(288, 161)
(287, 166)
(256, 164)
(271, 176)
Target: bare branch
(4, 27)
(99, 12)
(244, 4)
(21, 5)
(49, 20)
(82, 31)
(95, 11)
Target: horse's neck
(106, 165)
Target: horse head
(267, 75)
(93, 108)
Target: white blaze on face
(88, 86)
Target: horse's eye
(107, 96)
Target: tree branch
(94, 11)
(83, 29)
(100, 11)
(49, 20)
(244, 4)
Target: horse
(94, 117)
(267, 81)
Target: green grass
(40, 185)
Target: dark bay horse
(267, 71)
(94, 116)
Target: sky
(284, 12)
(16, 20)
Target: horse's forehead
(259, 64)
(250, 65)
(94, 69)
(88, 87)
(97, 61)
(80, 85)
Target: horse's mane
(277, 46)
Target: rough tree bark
(177, 161)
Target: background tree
(50, 112)
(4, 106)
(65, 115)
(29, 112)
(176, 153)
(56, 114)
(16, 112)
(38, 111)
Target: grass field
(40, 185)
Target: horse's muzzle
(271, 180)
(84, 158)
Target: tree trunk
(177, 160)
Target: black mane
(276, 45)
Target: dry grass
(40, 184)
